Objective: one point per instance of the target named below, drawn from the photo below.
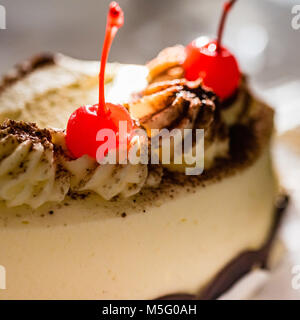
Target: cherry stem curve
(227, 6)
(115, 20)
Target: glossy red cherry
(85, 123)
(218, 69)
(209, 60)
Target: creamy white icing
(179, 244)
(104, 246)
(29, 174)
(34, 171)
(179, 104)
(50, 93)
(107, 180)
(37, 95)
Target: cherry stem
(115, 20)
(227, 6)
(109, 35)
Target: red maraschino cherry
(207, 59)
(85, 122)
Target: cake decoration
(30, 166)
(212, 62)
(183, 105)
(85, 122)
(57, 199)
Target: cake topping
(85, 122)
(212, 62)
(175, 104)
(21, 70)
(107, 180)
(170, 60)
(178, 105)
(35, 169)
(30, 172)
(22, 131)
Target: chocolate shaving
(26, 67)
(23, 131)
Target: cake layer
(92, 249)
(242, 265)
(47, 89)
(174, 238)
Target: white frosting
(47, 96)
(165, 105)
(107, 180)
(28, 174)
(86, 250)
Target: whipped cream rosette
(35, 168)
(30, 172)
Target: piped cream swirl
(29, 172)
(107, 180)
(181, 104)
(168, 102)
(35, 169)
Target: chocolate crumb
(22, 131)
(26, 67)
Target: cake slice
(71, 229)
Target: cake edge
(241, 265)
(26, 67)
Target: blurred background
(259, 32)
